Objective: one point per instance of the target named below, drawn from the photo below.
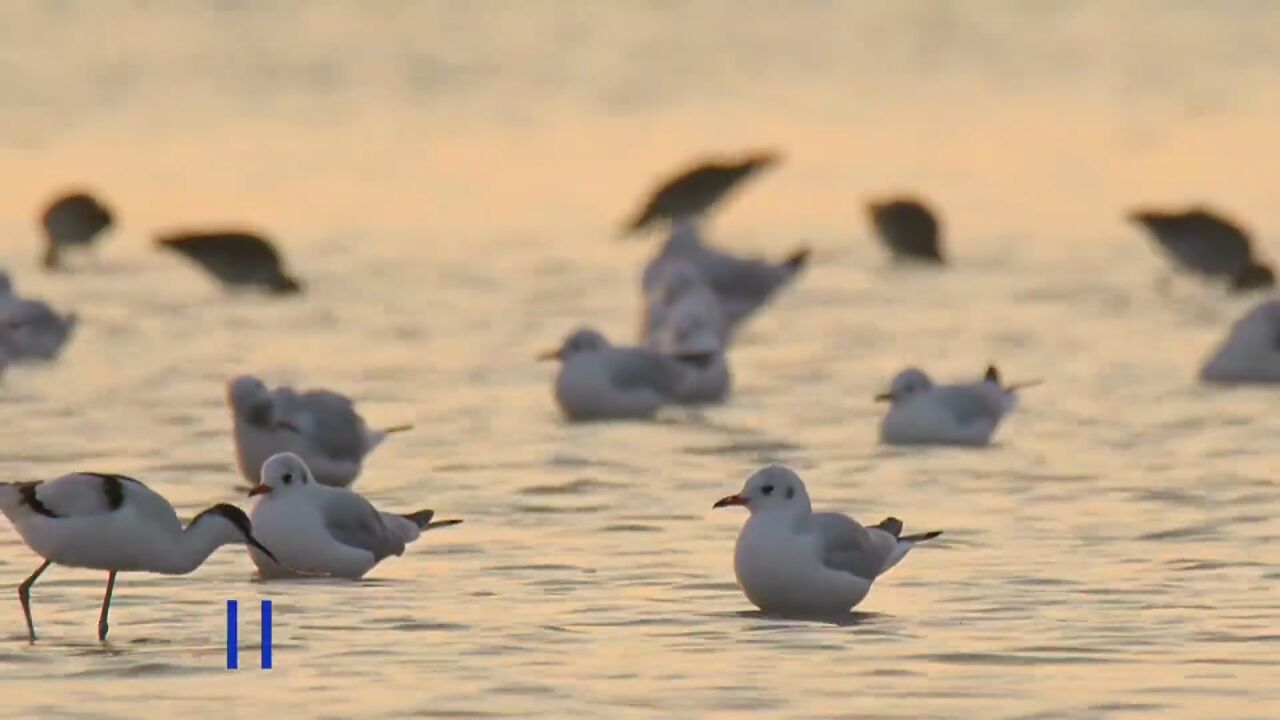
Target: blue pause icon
(233, 635)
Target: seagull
(320, 425)
(72, 220)
(679, 288)
(691, 329)
(598, 381)
(742, 284)
(922, 413)
(321, 530)
(238, 259)
(908, 229)
(791, 560)
(30, 329)
(1251, 352)
(115, 523)
(1204, 242)
(696, 190)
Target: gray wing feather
(968, 404)
(354, 522)
(632, 368)
(328, 419)
(848, 546)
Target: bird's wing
(354, 522)
(852, 548)
(329, 421)
(969, 403)
(638, 368)
(86, 494)
(228, 256)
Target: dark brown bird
(238, 259)
(1201, 241)
(72, 220)
(696, 190)
(908, 229)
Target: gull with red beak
(922, 413)
(316, 529)
(792, 561)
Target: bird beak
(259, 489)
(884, 397)
(730, 500)
(549, 355)
(286, 425)
(252, 542)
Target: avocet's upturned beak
(253, 543)
(729, 501)
(259, 489)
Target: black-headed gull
(315, 529)
(694, 191)
(114, 523)
(686, 323)
(908, 229)
(922, 413)
(237, 259)
(742, 284)
(598, 381)
(1251, 352)
(1201, 241)
(321, 426)
(31, 329)
(790, 560)
(72, 220)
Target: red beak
(259, 490)
(730, 500)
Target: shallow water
(448, 179)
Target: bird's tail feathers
(921, 537)
(440, 524)
(397, 428)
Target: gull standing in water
(922, 413)
(598, 381)
(908, 229)
(694, 191)
(72, 220)
(237, 259)
(1251, 352)
(113, 523)
(741, 284)
(1202, 242)
(31, 330)
(790, 560)
(321, 426)
(319, 530)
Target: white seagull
(742, 284)
(113, 523)
(315, 529)
(922, 413)
(678, 287)
(690, 334)
(790, 560)
(30, 329)
(1251, 352)
(321, 426)
(598, 381)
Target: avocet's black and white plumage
(315, 529)
(74, 219)
(692, 192)
(237, 259)
(114, 523)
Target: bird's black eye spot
(791, 492)
(288, 478)
(767, 489)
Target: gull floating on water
(922, 413)
(742, 284)
(598, 381)
(321, 426)
(1251, 352)
(677, 287)
(686, 323)
(30, 329)
(908, 229)
(237, 259)
(790, 560)
(72, 220)
(1203, 242)
(315, 529)
(113, 523)
(696, 190)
